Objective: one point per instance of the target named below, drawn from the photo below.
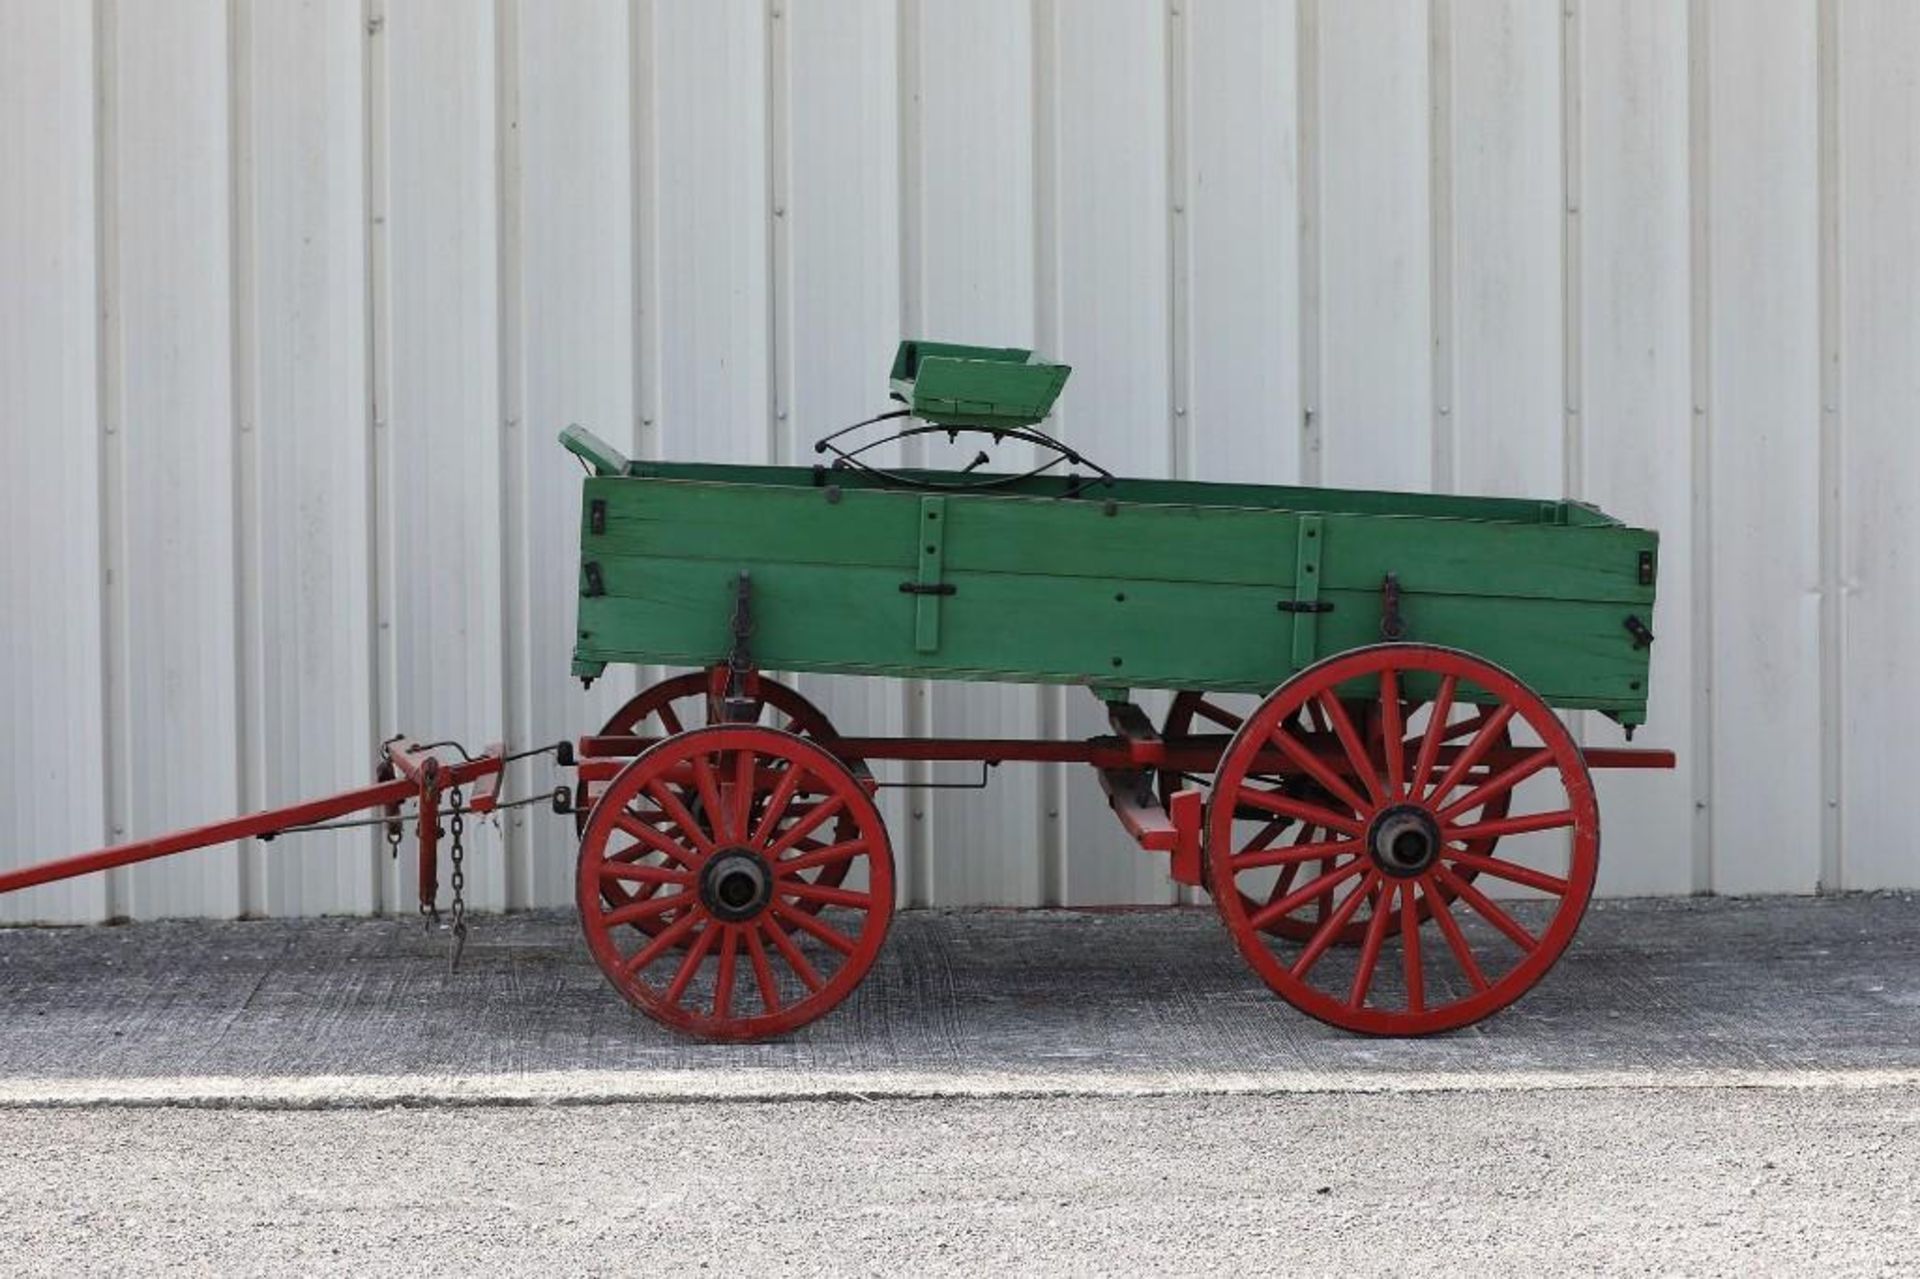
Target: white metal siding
(294, 296)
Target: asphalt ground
(1704, 1086)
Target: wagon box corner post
(1362, 760)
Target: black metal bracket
(1305, 606)
(597, 516)
(1392, 625)
(1642, 637)
(739, 707)
(596, 584)
(928, 588)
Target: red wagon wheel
(1194, 712)
(752, 946)
(669, 707)
(1400, 836)
(673, 704)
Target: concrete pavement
(1712, 1087)
(321, 1012)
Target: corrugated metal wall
(293, 297)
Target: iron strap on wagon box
(1362, 761)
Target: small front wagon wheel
(1405, 819)
(751, 947)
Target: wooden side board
(1098, 590)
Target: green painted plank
(1081, 630)
(1174, 492)
(735, 522)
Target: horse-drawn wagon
(1362, 761)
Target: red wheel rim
(735, 955)
(1405, 841)
(673, 704)
(1191, 705)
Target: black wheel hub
(736, 884)
(1403, 840)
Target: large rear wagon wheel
(1444, 944)
(756, 947)
(1200, 714)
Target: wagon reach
(1364, 760)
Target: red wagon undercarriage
(736, 878)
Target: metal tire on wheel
(1409, 828)
(751, 947)
(1191, 706)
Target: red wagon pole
(387, 795)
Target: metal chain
(457, 851)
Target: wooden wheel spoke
(832, 855)
(791, 953)
(1283, 882)
(1306, 893)
(1351, 743)
(1490, 729)
(708, 786)
(1411, 968)
(805, 826)
(647, 908)
(690, 964)
(777, 803)
(723, 974)
(1370, 948)
(1501, 827)
(763, 972)
(677, 812)
(740, 814)
(1499, 785)
(1329, 929)
(1466, 892)
(827, 896)
(653, 838)
(1218, 715)
(1300, 810)
(1442, 913)
(811, 923)
(1512, 872)
(1392, 733)
(662, 941)
(633, 873)
(669, 719)
(1316, 768)
(1465, 728)
(1293, 855)
(1436, 733)
(1265, 836)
